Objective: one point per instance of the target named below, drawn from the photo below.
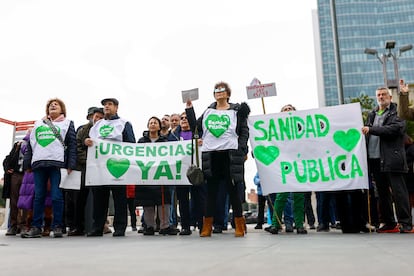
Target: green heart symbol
(217, 125)
(266, 155)
(347, 140)
(105, 130)
(45, 136)
(117, 167)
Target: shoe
(312, 227)
(134, 229)
(301, 231)
(390, 228)
(406, 229)
(141, 230)
(149, 231)
(168, 231)
(56, 233)
(217, 230)
(322, 228)
(34, 232)
(258, 226)
(289, 228)
(107, 230)
(95, 233)
(273, 230)
(118, 234)
(185, 232)
(46, 231)
(76, 232)
(12, 231)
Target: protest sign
(118, 163)
(312, 150)
(261, 90)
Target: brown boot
(207, 227)
(240, 226)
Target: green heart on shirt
(105, 130)
(347, 140)
(117, 167)
(45, 136)
(266, 155)
(217, 125)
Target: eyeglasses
(183, 118)
(219, 89)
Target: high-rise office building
(344, 29)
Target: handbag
(55, 132)
(194, 173)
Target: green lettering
(116, 149)
(128, 151)
(139, 151)
(163, 170)
(145, 168)
(312, 171)
(322, 170)
(106, 150)
(257, 125)
(272, 130)
(310, 128)
(355, 167)
(323, 125)
(298, 126)
(179, 150)
(285, 168)
(338, 161)
(285, 129)
(301, 178)
(162, 151)
(151, 151)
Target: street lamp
(390, 44)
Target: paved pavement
(258, 252)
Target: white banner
(312, 150)
(117, 163)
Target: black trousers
(100, 207)
(387, 182)
(221, 176)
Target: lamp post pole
(390, 44)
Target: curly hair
(60, 102)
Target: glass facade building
(346, 28)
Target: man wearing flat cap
(122, 131)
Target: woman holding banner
(281, 199)
(224, 132)
(154, 197)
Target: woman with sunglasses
(224, 133)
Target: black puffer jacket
(391, 133)
(237, 157)
(152, 195)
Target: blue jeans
(41, 177)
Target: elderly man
(387, 162)
(122, 132)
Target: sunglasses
(219, 89)
(183, 118)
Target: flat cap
(115, 101)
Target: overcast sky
(145, 53)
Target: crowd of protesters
(39, 207)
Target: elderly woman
(52, 147)
(224, 131)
